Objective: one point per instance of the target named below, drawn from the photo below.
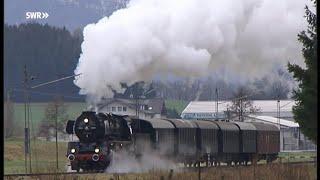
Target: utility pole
(27, 136)
(43, 84)
(278, 116)
(240, 114)
(217, 103)
(29, 132)
(26, 130)
(57, 159)
(278, 113)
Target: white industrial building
(218, 110)
(290, 136)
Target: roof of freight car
(245, 126)
(226, 125)
(179, 123)
(265, 127)
(205, 124)
(159, 123)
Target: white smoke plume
(123, 162)
(188, 38)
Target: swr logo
(37, 15)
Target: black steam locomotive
(98, 135)
(179, 140)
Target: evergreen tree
(305, 110)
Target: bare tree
(55, 110)
(242, 105)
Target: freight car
(179, 140)
(209, 141)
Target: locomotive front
(91, 152)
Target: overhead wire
(45, 93)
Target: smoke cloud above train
(188, 38)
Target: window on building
(124, 108)
(119, 108)
(113, 109)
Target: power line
(241, 97)
(45, 93)
(57, 80)
(287, 103)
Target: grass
(297, 156)
(43, 152)
(43, 156)
(264, 172)
(178, 105)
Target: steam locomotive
(184, 141)
(98, 134)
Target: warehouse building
(220, 109)
(290, 136)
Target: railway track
(194, 168)
(48, 174)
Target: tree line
(48, 53)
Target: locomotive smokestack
(188, 38)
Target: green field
(37, 111)
(43, 155)
(178, 105)
(297, 156)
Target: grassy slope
(178, 105)
(38, 113)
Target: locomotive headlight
(97, 150)
(73, 150)
(86, 120)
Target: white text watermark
(37, 15)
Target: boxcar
(247, 137)
(268, 141)
(207, 141)
(185, 138)
(247, 141)
(229, 137)
(159, 132)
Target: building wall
(118, 108)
